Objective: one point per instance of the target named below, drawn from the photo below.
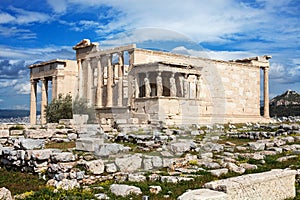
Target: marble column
(181, 85)
(89, 85)
(80, 79)
(33, 101)
(147, 86)
(266, 92)
(54, 87)
(44, 101)
(110, 76)
(172, 86)
(131, 59)
(136, 88)
(159, 85)
(120, 76)
(59, 85)
(198, 87)
(99, 84)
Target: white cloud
(21, 107)
(6, 18)
(217, 55)
(276, 71)
(24, 88)
(25, 17)
(285, 75)
(31, 55)
(294, 72)
(59, 6)
(19, 33)
(22, 16)
(7, 83)
(200, 20)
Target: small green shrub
(17, 127)
(60, 108)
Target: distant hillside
(13, 113)
(286, 104)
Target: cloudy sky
(40, 30)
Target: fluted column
(172, 86)
(33, 101)
(54, 87)
(59, 85)
(136, 88)
(44, 102)
(109, 99)
(99, 84)
(89, 85)
(131, 59)
(266, 92)
(120, 76)
(159, 85)
(80, 78)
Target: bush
(17, 127)
(60, 108)
(82, 107)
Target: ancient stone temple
(63, 76)
(128, 85)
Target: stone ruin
(100, 156)
(131, 86)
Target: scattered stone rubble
(126, 156)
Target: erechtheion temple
(128, 85)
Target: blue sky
(38, 30)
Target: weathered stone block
(129, 163)
(4, 133)
(5, 194)
(257, 146)
(107, 149)
(31, 144)
(43, 154)
(16, 132)
(219, 172)
(111, 168)
(38, 134)
(95, 166)
(133, 121)
(136, 177)
(203, 194)
(124, 190)
(276, 184)
(180, 147)
(88, 144)
(63, 157)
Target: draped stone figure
(147, 87)
(172, 86)
(159, 85)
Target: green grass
(60, 145)
(18, 182)
(236, 141)
(17, 127)
(47, 193)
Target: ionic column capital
(32, 81)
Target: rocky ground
(160, 164)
